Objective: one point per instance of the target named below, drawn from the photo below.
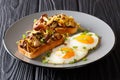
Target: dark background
(107, 68)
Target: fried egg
(76, 48)
(85, 40)
(65, 54)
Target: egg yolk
(68, 52)
(85, 39)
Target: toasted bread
(57, 28)
(42, 49)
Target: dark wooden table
(107, 68)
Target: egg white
(56, 56)
(74, 42)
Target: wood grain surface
(107, 68)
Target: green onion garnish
(75, 47)
(42, 40)
(44, 61)
(73, 61)
(84, 47)
(17, 42)
(23, 36)
(46, 31)
(48, 53)
(89, 34)
(84, 59)
(85, 32)
(35, 20)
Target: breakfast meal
(56, 37)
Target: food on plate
(60, 23)
(86, 40)
(75, 49)
(47, 33)
(54, 37)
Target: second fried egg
(65, 54)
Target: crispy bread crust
(41, 49)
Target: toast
(42, 49)
(47, 33)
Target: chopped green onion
(46, 31)
(48, 53)
(42, 40)
(89, 34)
(28, 32)
(67, 34)
(51, 32)
(62, 51)
(44, 61)
(17, 42)
(85, 32)
(75, 47)
(73, 61)
(84, 47)
(79, 29)
(65, 38)
(35, 20)
(84, 59)
(66, 51)
(23, 36)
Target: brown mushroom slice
(38, 25)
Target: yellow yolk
(68, 52)
(85, 39)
